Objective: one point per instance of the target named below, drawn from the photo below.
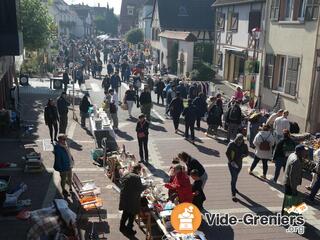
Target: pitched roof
(185, 15)
(233, 2)
(186, 36)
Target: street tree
(134, 36)
(107, 23)
(37, 25)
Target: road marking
(71, 130)
(95, 87)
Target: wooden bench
(88, 199)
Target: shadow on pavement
(207, 150)
(74, 145)
(124, 135)
(219, 232)
(157, 128)
(158, 172)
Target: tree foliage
(37, 25)
(204, 51)
(108, 23)
(134, 36)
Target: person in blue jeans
(236, 151)
(281, 153)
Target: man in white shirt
(114, 108)
(273, 117)
(280, 124)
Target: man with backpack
(106, 82)
(263, 143)
(214, 117)
(189, 114)
(233, 119)
(159, 91)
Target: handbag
(141, 135)
(124, 106)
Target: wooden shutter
(234, 21)
(274, 12)
(254, 20)
(282, 10)
(269, 70)
(292, 76)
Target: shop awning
(179, 35)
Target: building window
(233, 20)
(254, 20)
(130, 10)
(312, 10)
(275, 8)
(220, 21)
(281, 72)
(288, 10)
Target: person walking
(51, 119)
(106, 83)
(65, 80)
(274, 116)
(115, 82)
(159, 91)
(130, 98)
(176, 108)
(236, 151)
(130, 199)
(214, 117)
(201, 106)
(263, 143)
(146, 102)
(84, 108)
(182, 89)
(197, 191)
(142, 130)
(62, 105)
(282, 151)
(293, 174)
(110, 68)
(233, 119)
(113, 108)
(280, 124)
(63, 163)
(192, 164)
(189, 114)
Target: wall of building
(296, 40)
(187, 49)
(163, 51)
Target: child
(198, 194)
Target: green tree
(134, 36)
(107, 24)
(37, 25)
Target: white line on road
(71, 130)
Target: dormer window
(130, 10)
(182, 11)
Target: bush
(134, 36)
(202, 72)
(204, 51)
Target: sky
(116, 4)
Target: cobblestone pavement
(257, 196)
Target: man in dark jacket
(189, 114)
(65, 80)
(236, 151)
(130, 199)
(62, 105)
(51, 119)
(142, 130)
(109, 68)
(183, 90)
(201, 105)
(159, 91)
(63, 163)
(234, 118)
(146, 102)
(106, 82)
(176, 108)
(193, 92)
(115, 82)
(84, 108)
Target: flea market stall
(156, 208)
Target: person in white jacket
(263, 142)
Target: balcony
(229, 37)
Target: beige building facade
(290, 61)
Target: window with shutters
(233, 20)
(274, 11)
(220, 21)
(312, 10)
(283, 72)
(254, 20)
(292, 76)
(269, 70)
(219, 59)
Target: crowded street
(106, 137)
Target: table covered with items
(100, 127)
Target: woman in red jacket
(181, 185)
